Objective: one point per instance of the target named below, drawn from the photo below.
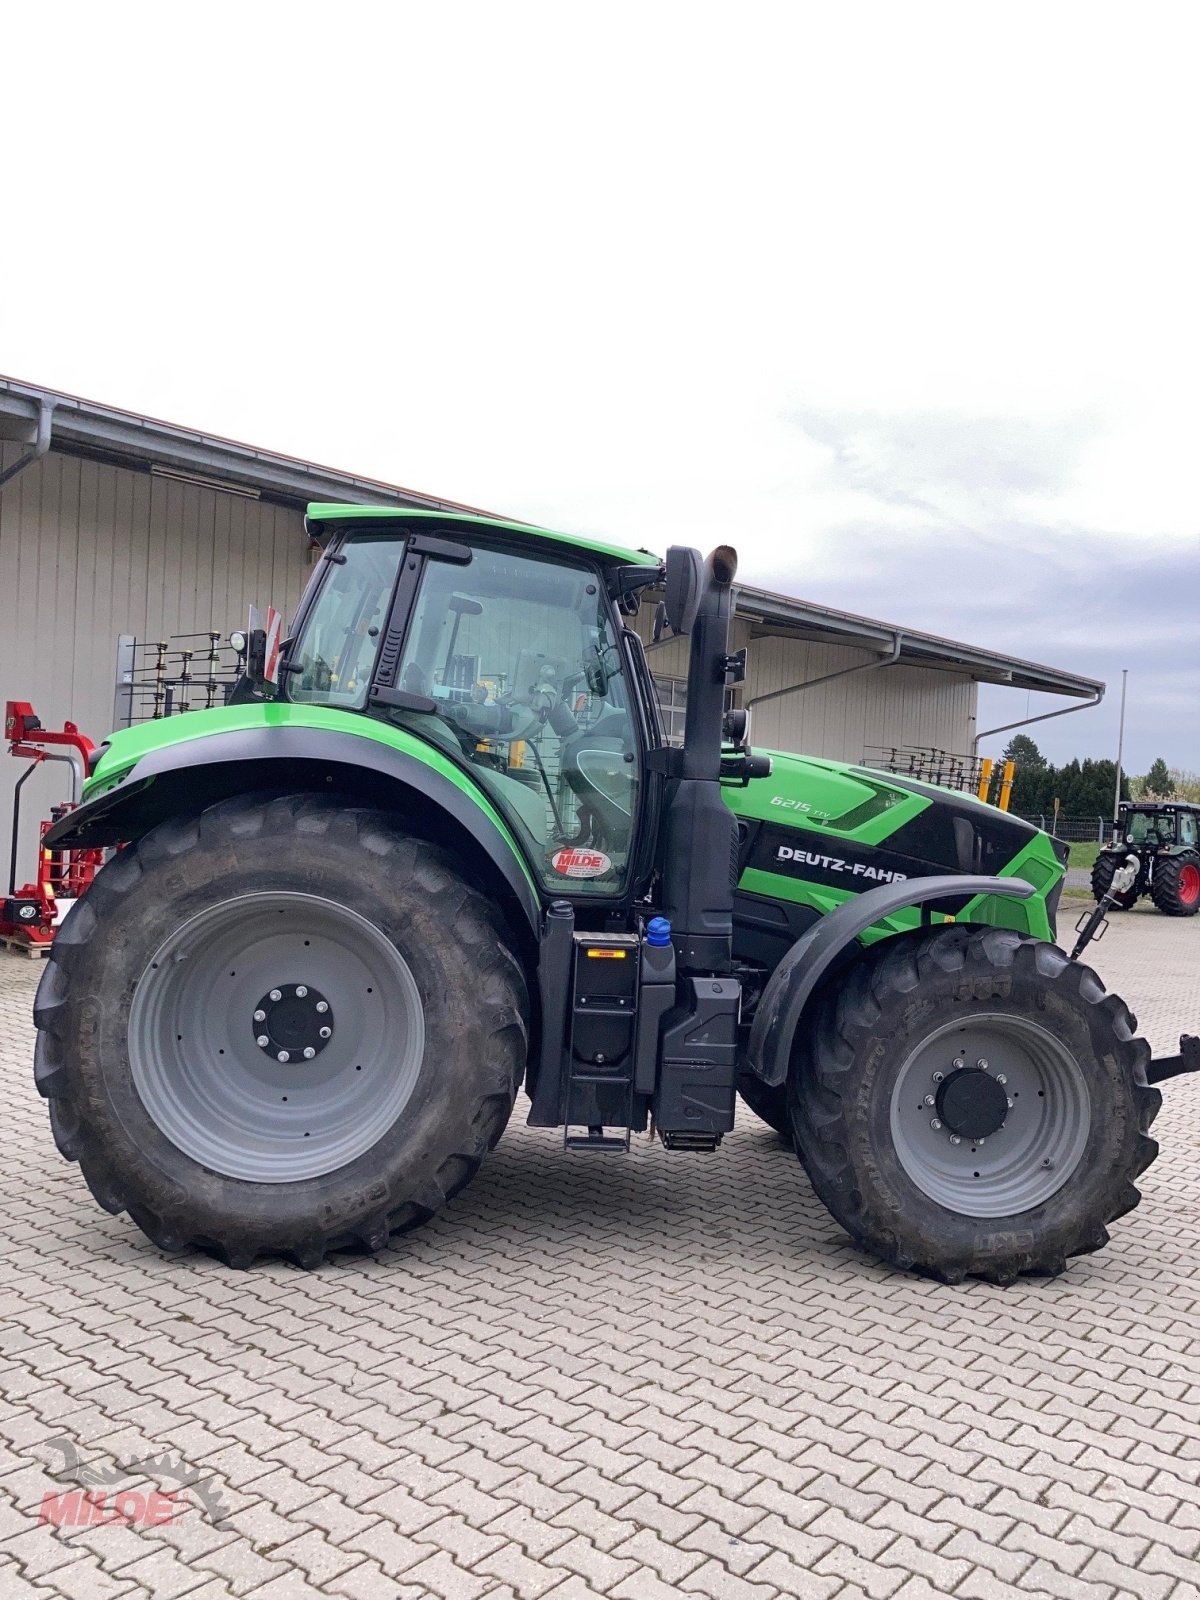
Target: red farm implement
(30, 912)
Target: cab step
(596, 1139)
(683, 1139)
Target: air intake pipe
(700, 837)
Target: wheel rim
(1189, 883)
(990, 1115)
(206, 1000)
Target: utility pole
(1120, 748)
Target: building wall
(89, 551)
(841, 720)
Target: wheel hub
(990, 1114)
(292, 1022)
(971, 1104)
(271, 1113)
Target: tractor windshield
(519, 657)
(1151, 827)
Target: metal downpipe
(827, 677)
(41, 444)
(1045, 716)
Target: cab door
(512, 664)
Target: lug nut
(322, 1006)
(260, 1015)
(1001, 1079)
(326, 1033)
(301, 991)
(959, 1062)
(980, 1141)
(262, 1041)
(939, 1077)
(309, 1052)
(1010, 1105)
(929, 1100)
(982, 1064)
(276, 994)
(283, 1056)
(936, 1125)
(955, 1138)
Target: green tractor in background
(442, 849)
(1164, 837)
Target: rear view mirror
(684, 583)
(261, 647)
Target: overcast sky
(904, 300)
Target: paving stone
(631, 1378)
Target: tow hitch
(1091, 926)
(1094, 924)
(1188, 1060)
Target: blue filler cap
(658, 931)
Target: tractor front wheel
(280, 1026)
(1176, 887)
(1102, 876)
(973, 1103)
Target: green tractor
(442, 849)
(1163, 836)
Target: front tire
(281, 1026)
(1102, 876)
(933, 1157)
(1176, 887)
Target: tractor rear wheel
(1176, 887)
(973, 1103)
(1102, 876)
(280, 1026)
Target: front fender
(791, 985)
(201, 770)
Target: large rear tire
(280, 1026)
(973, 1103)
(1176, 887)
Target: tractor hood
(847, 828)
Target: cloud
(972, 561)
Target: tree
(1029, 778)
(1021, 749)
(1159, 781)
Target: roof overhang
(85, 428)
(772, 615)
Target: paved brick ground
(633, 1377)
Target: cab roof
(333, 512)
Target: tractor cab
(1161, 826)
(509, 660)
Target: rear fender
(792, 984)
(190, 774)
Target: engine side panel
(816, 833)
